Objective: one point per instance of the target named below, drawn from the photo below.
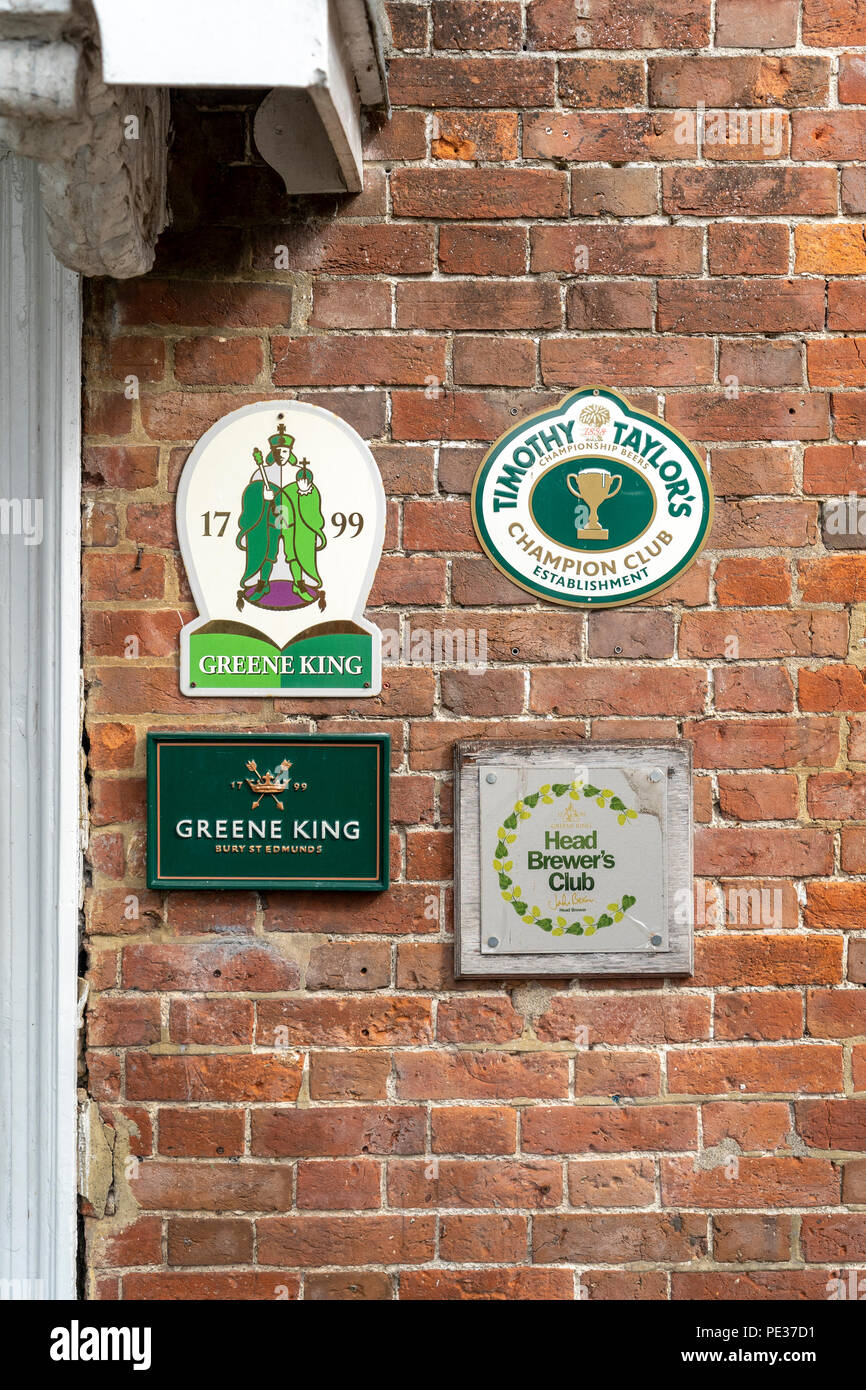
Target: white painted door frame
(40, 746)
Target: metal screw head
(656, 940)
(656, 775)
(493, 941)
(617, 651)
(491, 777)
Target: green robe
(302, 529)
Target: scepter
(260, 464)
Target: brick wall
(533, 219)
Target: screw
(493, 941)
(617, 651)
(491, 777)
(656, 940)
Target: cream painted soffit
(84, 92)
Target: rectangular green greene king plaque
(271, 811)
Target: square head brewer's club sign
(592, 503)
(267, 811)
(281, 520)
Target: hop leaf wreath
(503, 863)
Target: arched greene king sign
(592, 504)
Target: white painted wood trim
(40, 750)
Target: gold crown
(267, 785)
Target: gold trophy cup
(593, 486)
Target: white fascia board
(213, 43)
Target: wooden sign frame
(672, 759)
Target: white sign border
(204, 616)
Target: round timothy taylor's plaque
(592, 503)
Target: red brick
(836, 1013)
(338, 1131)
(350, 304)
(599, 304)
(455, 82)
(720, 850)
(758, 306)
(467, 1020)
(357, 361)
(496, 1285)
(308, 1241)
(760, 959)
(476, 304)
(832, 249)
(482, 250)
(685, 80)
(459, 24)
(239, 965)
(761, 24)
(645, 690)
(484, 1182)
(488, 361)
(206, 1133)
(202, 303)
(129, 1022)
(479, 193)
(838, 1237)
(613, 83)
(834, 468)
(834, 23)
(748, 248)
(758, 796)
(216, 1022)
(644, 24)
(138, 1243)
(198, 1186)
(339, 1185)
(473, 1129)
(749, 190)
(754, 1014)
(608, 1128)
(755, 1125)
(220, 1242)
(621, 1018)
(717, 1070)
(479, 1076)
(209, 1287)
(836, 905)
(751, 1286)
(465, 1239)
(762, 1181)
(617, 250)
(652, 1237)
(614, 1182)
(220, 1077)
(832, 1124)
(837, 796)
(662, 361)
(852, 79)
(349, 1075)
(475, 135)
(379, 1022)
(575, 135)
